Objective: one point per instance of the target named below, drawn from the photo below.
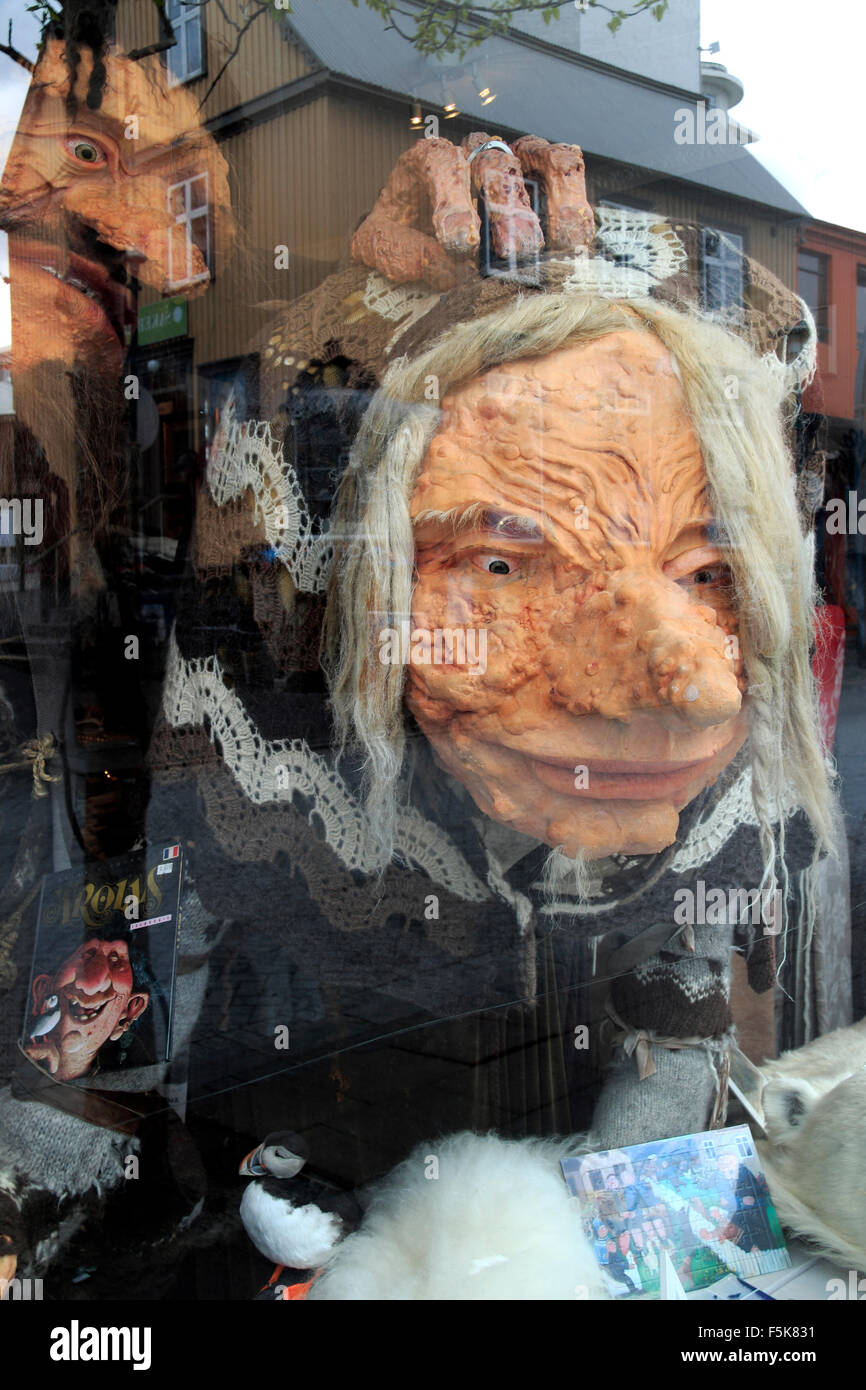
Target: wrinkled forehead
(129, 89)
(102, 947)
(628, 370)
(604, 417)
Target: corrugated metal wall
(137, 24)
(365, 142)
(282, 190)
(772, 243)
(302, 181)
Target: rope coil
(36, 753)
(639, 1042)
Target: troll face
(563, 507)
(91, 198)
(91, 999)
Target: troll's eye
(85, 151)
(495, 564)
(716, 576)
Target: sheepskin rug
(815, 1117)
(496, 1223)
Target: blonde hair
(751, 477)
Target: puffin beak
(252, 1166)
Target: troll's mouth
(85, 1013)
(99, 278)
(90, 279)
(70, 279)
(623, 782)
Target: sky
(14, 82)
(801, 63)
(13, 79)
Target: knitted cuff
(678, 1098)
(680, 994)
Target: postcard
(701, 1199)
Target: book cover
(700, 1201)
(104, 963)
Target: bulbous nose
(689, 672)
(687, 669)
(93, 975)
(649, 647)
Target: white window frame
(185, 219)
(731, 265)
(181, 16)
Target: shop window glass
(432, 635)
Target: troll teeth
(71, 280)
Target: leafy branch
(435, 27)
(455, 26)
(432, 27)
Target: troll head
(626, 535)
(563, 506)
(95, 200)
(91, 999)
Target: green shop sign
(165, 319)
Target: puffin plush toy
(296, 1221)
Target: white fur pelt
(815, 1117)
(497, 1223)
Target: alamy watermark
(23, 1290)
(21, 516)
(855, 1290)
(77, 1343)
(700, 125)
(846, 516)
(715, 907)
(438, 646)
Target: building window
(186, 59)
(812, 286)
(722, 269)
(861, 308)
(189, 238)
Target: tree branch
(471, 22)
(168, 39)
(13, 53)
(263, 9)
(135, 53)
(440, 26)
(16, 57)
